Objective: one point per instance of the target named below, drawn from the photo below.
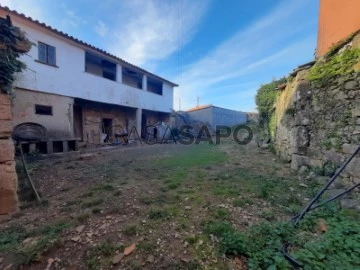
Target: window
(154, 86)
(99, 66)
(132, 78)
(47, 54)
(43, 109)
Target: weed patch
(93, 202)
(37, 241)
(103, 187)
(158, 214)
(130, 230)
(101, 255)
(242, 202)
(337, 248)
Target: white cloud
(101, 29)
(248, 51)
(150, 30)
(71, 18)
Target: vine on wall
(337, 65)
(13, 43)
(265, 100)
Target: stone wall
(8, 177)
(320, 125)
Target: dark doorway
(78, 122)
(106, 127)
(143, 126)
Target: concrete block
(49, 147)
(76, 145)
(65, 146)
(5, 128)
(32, 147)
(8, 178)
(8, 188)
(5, 99)
(5, 112)
(6, 150)
(8, 201)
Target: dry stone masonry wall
(320, 125)
(8, 177)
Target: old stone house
(78, 92)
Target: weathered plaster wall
(59, 125)
(337, 20)
(8, 177)
(286, 129)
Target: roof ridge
(56, 31)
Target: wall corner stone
(8, 177)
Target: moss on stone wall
(338, 65)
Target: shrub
(265, 100)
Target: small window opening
(43, 110)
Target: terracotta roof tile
(200, 107)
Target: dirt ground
(157, 197)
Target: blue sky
(219, 51)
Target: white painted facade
(69, 78)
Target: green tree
(13, 43)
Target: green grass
(43, 238)
(147, 245)
(242, 202)
(158, 214)
(195, 156)
(221, 213)
(226, 189)
(11, 237)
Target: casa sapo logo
(187, 134)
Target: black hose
(330, 199)
(306, 209)
(310, 206)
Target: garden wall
(318, 124)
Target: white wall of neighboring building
(70, 79)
